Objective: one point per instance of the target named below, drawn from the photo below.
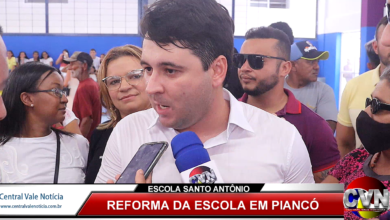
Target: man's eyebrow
(144, 63)
(170, 64)
(165, 64)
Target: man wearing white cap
(302, 81)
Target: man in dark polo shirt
(263, 64)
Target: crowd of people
(260, 112)
(45, 58)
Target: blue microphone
(193, 161)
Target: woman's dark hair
(202, 26)
(25, 56)
(46, 53)
(34, 57)
(101, 55)
(11, 53)
(66, 52)
(283, 26)
(24, 78)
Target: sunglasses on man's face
(377, 105)
(255, 61)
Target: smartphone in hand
(146, 158)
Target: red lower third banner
(213, 204)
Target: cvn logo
(202, 174)
(366, 197)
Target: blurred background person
(302, 82)
(372, 56)
(60, 61)
(3, 74)
(102, 57)
(35, 101)
(11, 61)
(35, 56)
(122, 90)
(92, 73)
(86, 104)
(96, 60)
(355, 93)
(46, 59)
(70, 123)
(283, 26)
(373, 128)
(22, 58)
(233, 83)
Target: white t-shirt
(256, 147)
(32, 160)
(69, 117)
(23, 62)
(47, 61)
(96, 63)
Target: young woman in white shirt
(29, 146)
(22, 58)
(35, 57)
(46, 59)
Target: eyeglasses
(256, 61)
(57, 92)
(132, 78)
(376, 105)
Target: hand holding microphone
(193, 161)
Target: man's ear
(370, 66)
(375, 46)
(285, 68)
(219, 70)
(27, 99)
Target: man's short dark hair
(283, 26)
(383, 22)
(93, 50)
(372, 56)
(203, 26)
(283, 45)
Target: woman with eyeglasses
(122, 90)
(373, 129)
(31, 151)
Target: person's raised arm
(345, 137)
(85, 125)
(59, 59)
(330, 179)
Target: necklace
(374, 159)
